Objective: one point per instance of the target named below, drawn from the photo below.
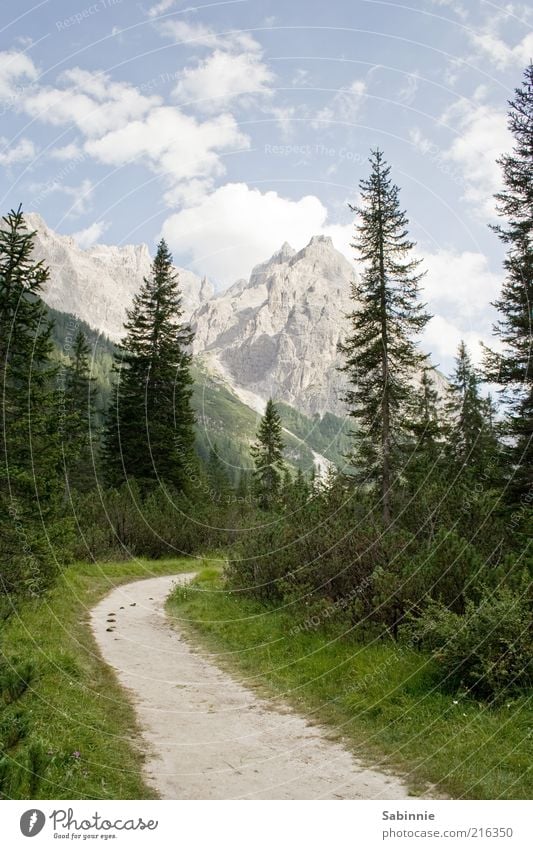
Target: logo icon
(32, 822)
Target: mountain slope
(98, 284)
(277, 334)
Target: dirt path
(206, 735)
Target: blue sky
(231, 127)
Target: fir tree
(427, 431)
(471, 442)
(513, 368)
(380, 354)
(32, 533)
(79, 429)
(267, 453)
(150, 424)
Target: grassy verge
(381, 699)
(67, 730)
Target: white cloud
(458, 289)
(460, 283)
(222, 77)
(16, 69)
(441, 338)
(24, 151)
(91, 101)
(120, 124)
(199, 35)
(501, 54)
(171, 143)
(161, 8)
(90, 235)
(345, 107)
(68, 152)
(235, 227)
(482, 136)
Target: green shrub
(488, 651)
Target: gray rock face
(277, 334)
(274, 335)
(98, 284)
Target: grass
(67, 729)
(382, 700)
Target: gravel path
(205, 735)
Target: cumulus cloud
(481, 137)
(90, 235)
(171, 143)
(221, 78)
(235, 227)
(93, 102)
(458, 287)
(24, 151)
(119, 125)
(441, 338)
(345, 106)
(199, 35)
(16, 70)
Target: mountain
(98, 284)
(276, 334)
(273, 335)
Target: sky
(232, 127)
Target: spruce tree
(150, 424)
(33, 536)
(267, 453)
(381, 356)
(513, 368)
(79, 435)
(471, 441)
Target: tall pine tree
(149, 432)
(471, 441)
(513, 367)
(267, 453)
(381, 355)
(79, 427)
(33, 535)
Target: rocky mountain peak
(98, 284)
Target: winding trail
(205, 735)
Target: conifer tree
(427, 433)
(79, 429)
(267, 453)
(513, 367)
(471, 443)
(32, 533)
(150, 424)
(381, 355)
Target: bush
(488, 651)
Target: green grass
(381, 699)
(58, 698)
